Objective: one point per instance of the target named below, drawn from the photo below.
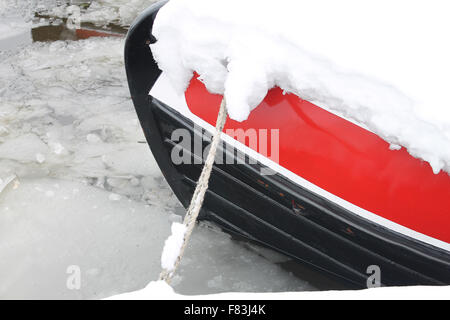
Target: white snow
(114, 197)
(40, 158)
(372, 62)
(172, 246)
(93, 138)
(160, 290)
(155, 290)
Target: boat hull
(272, 209)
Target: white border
(163, 91)
(158, 290)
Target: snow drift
(381, 64)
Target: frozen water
(14, 30)
(48, 225)
(122, 12)
(88, 192)
(104, 12)
(82, 136)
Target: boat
(335, 197)
(62, 32)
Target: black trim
(142, 73)
(272, 209)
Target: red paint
(345, 160)
(88, 33)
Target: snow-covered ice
(172, 246)
(14, 30)
(103, 12)
(383, 64)
(40, 238)
(116, 245)
(159, 290)
(79, 187)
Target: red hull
(345, 160)
(89, 33)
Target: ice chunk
(93, 138)
(172, 246)
(103, 12)
(23, 148)
(114, 197)
(40, 158)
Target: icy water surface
(79, 186)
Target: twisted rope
(200, 191)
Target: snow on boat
(333, 194)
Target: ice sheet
(88, 191)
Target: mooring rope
(200, 191)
